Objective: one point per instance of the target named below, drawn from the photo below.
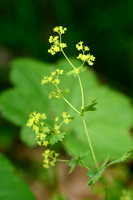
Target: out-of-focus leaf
(57, 196)
(12, 187)
(108, 127)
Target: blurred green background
(105, 26)
(25, 26)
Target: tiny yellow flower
(45, 143)
(76, 70)
(66, 120)
(46, 166)
(56, 119)
(46, 161)
(56, 49)
(36, 128)
(39, 143)
(64, 114)
(86, 48)
(53, 73)
(46, 129)
(43, 116)
(56, 29)
(42, 136)
(63, 45)
(56, 127)
(57, 81)
(50, 78)
(51, 39)
(52, 164)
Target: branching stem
(86, 131)
(71, 105)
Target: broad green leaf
(108, 127)
(94, 174)
(12, 187)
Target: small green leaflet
(74, 161)
(91, 107)
(94, 174)
(54, 138)
(72, 72)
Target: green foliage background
(106, 27)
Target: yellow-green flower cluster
(60, 29)
(37, 122)
(57, 45)
(126, 195)
(66, 118)
(50, 158)
(85, 57)
(54, 80)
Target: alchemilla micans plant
(45, 134)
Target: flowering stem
(68, 59)
(71, 105)
(86, 131)
(87, 134)
(92, 151)
(82, 92)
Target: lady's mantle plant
(47, 135)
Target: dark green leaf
(12, 187)
(74, 161)
(91, 107)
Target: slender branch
(86, 131)
(68, 59)
(71, 105)
(60, 160)
(82, 93)
(92, 151)
(82, 64)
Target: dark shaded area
(106, 27)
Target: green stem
(60, 160)
(86, 131)
(68, 59)
(71, 105)
(82, 92)
(92, 151)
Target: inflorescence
(45, 134)
(54, 80)
(57, 45)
